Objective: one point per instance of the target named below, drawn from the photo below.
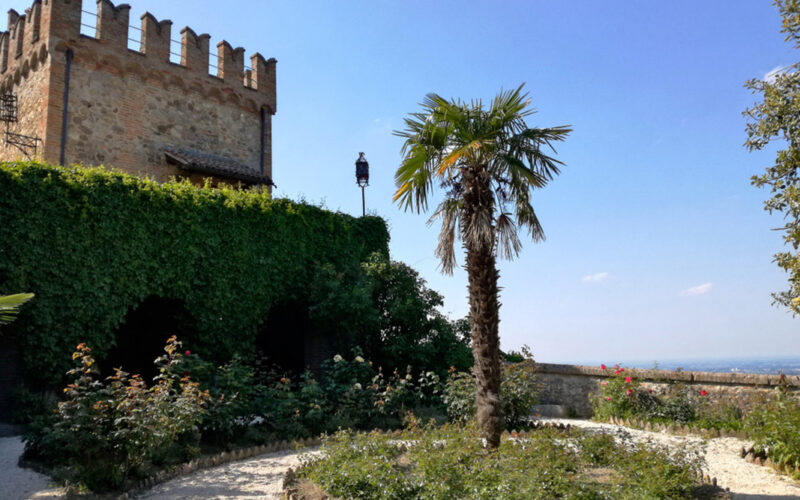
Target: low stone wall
(572, 385)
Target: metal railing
(180, 43)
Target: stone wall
(126, 107)
(25, 70)
(572, 385)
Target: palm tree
(488, 162)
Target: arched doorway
(288, 340)
(142, 336)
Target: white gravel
(745, 480)
(17, 483)
(262, 477)
(259, 477)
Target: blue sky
(657, 245)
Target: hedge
(91, 244)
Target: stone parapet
(573, 385)
(744, 379)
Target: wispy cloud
(697, 290)
(594, 278)
(772, 74)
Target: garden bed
(451, 462)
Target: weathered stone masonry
(572, 385)
(136, 110)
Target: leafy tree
(412, 329)
(487, 161)
(385, 308)
(778, 117)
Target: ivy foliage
(92, 244)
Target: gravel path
(259, 477)
(262, 477)
(746, 481)
(16, 483)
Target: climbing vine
(91, 244)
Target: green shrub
(622, 396)
(775, 428)
(451, 462)
(227, 255)
(105, 432)
(251, 402)
(519, 389)
(617, 396)
(28, 405)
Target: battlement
(55, 25)
(127, 97)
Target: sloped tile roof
(220, 166)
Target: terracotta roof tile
(219, 166)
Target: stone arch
(140, 339)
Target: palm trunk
(484, 307)
(484, 323)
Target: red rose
(628, 380)
(703, 393)
(188, 352)
(602, 367)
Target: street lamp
(362, 179)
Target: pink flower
(616, 367)
(621, 370)
(604, 382)
(188, 352)
(608, 398)
(602, 367)
(630, 391)
(616, 372)
(628, 379)
(703, 393)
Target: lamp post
(362, 179)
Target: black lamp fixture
(362, 179)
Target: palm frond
(445, 249)
(10, 304)
(487, 160)
(508, 242)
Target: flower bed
(427, 462)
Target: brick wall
(126, 106)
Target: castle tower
(82, 99)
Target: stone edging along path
(234, 475)
(135, 488)
(747, 453)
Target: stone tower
(81, 99)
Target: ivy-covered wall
(92, 244)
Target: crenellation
(5, 39)
(156, 37)
(194, 50)
(62, 20)
(92, 100)
(13, 16)
(34, 15)
(264, 78)
(18, 35)
(112, 23)
(230, 62)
